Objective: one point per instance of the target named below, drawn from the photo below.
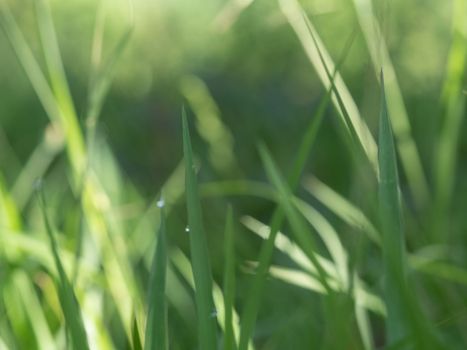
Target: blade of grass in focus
(156, 324)
(68, 301)
(199, 250)
(229, 282)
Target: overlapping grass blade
(323, 64)
(156, 324)
(252, 304)
(183, 265)
(199, 250)
(342, 207)
(33, 311)
(407, 149)
(68, 301)
(229, 282)
(299, 228)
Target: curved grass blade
(73, 320)
(253, 302)
(199, 250)
(156, 326)
(229, 282)
(342, 207)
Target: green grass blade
(407, 149)
(136, 339)
(210, 125)
(252, 304)
(453, 108)
(342, 208)
(322, 62)
(405, 318)
(301, 231)
(156, 324)
(33, 310)
(60, 88)
(199, 250)
(68, 301)
(393, 236)
(229, 282)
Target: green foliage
(346, 252)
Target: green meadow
(233, 174)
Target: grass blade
(229, 282)
(253, 301)
(156, 326)
(199, 250)
(393, 237)
(405, 320)
(407, 149)
(68, 301)
(322, 62)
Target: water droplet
(187, 229)
(160, 203)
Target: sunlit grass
(91, 263)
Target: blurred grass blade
(102, 72)
(33, 310)
(405, 317)
(68, 301)
(330, 238)
(286, 246)
(156, 324)
(453, 108)
(199, 250)
(393, 238)
(183, 265)
(229, 282)
(9, 213)
(407, 149)
(305, 32)
(210, 125)
(302, 234)
(343, 208)
(60, 88)
(253, 302)
(136, 339)
(29, 62)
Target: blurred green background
(244, 77)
